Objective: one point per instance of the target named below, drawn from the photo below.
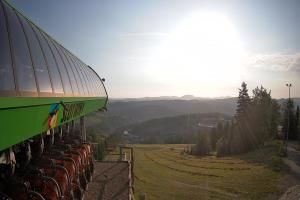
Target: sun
(204, 47)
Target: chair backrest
(7, 163)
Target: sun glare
(204, 47)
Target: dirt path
(292, 193)
(293, 162)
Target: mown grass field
(164, 173)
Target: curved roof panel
(34, 64)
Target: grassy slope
(163, 173)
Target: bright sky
(173, 48)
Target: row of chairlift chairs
(55, 166)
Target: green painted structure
(42, 84)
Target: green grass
(163, 172)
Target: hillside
(178, 129)
(123, 112)
(145, 110)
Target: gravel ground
(110, 182)
(293, 162)
(292, 193)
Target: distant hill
(124, 112)
(296, 101)
(178, 129)
(184, 97)
(145, 110)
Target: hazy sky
(169, 47)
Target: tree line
(290, 121)
(256, 121)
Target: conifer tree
(243, 101)
(275, 116)
(256, 122)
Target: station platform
(111, 181)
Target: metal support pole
(288, 107)
(67, 129)
(121, 153)
(72, 127)
(82, 128)
(60, 132)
